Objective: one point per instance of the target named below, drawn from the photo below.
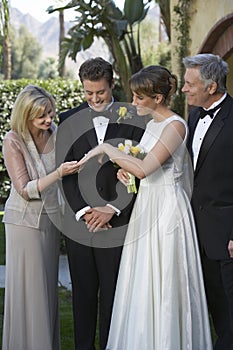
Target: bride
(160, 301)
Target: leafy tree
(5, 44)
(154, 49)
(103, 19)
(26, 55)
(48, 69)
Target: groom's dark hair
(95, 69)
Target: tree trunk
(7, 57)
(62, 69)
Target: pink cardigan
(25, 167)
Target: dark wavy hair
(95, 69)
(154, 80)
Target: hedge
(68, 93)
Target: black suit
(93, 257)
(212, 203)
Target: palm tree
(4, 32)
(164, 6)
(61, 65)
(61, 61)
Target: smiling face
(197, 94)
(98, 93)
(43, 121)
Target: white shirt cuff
(117, 211)
(81, 212)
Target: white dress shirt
(100, 124)
(201, 129)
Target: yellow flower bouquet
(135, 151)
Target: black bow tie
(105, 113)
(210, 112)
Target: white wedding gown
(160, 301)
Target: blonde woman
(31, 318)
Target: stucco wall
(203, 17)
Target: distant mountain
(47, 35)
(17, 19)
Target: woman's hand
(99, 150)
(68, 168)
(123, 176)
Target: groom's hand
(230, 248)
(98, 218)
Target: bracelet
(59, 173)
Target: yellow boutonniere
(123, 114)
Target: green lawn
(66, 320)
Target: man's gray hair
(212, 69)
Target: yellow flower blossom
(121, 147)
(122, 112)
(134, 150)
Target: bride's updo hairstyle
(153, 80)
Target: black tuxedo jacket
(212, 198)
(96, 184)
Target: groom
(97, 207)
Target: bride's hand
(99, 150)
(123, 176)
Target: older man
(211, 147)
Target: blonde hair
(29, 104)
(154, 80)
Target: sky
(37, 8)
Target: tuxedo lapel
(209, 139)
(91, 134)
(192, 123)
(111, 132)
(211, 134)
(114, 130)
(92, 138)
